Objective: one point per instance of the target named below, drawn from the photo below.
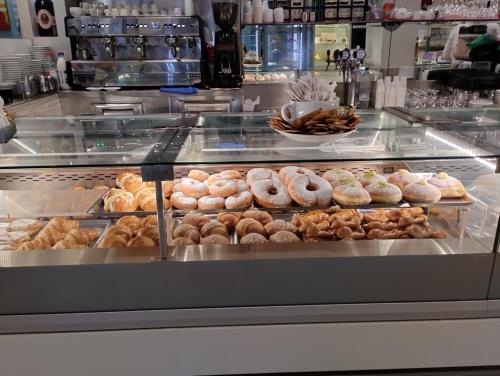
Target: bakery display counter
(221, 216)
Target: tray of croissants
(65, 233)
(289, 186)
(333, 224)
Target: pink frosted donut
(271, 195)
(258, 174)
(198, 175)
(241, 200)
(180, 201)
(193, 188)
(211, 202)
(242, 185)
(289, 172)
(310, 190)
(223, 188)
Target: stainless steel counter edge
(235, 316)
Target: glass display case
(142, 230)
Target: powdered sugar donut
(332, 176)
(402, 177)
(231, 174)
(258, 174)
(289, 172)
(180, 201)
(449, 186)
(384, 193)
(350, 194)
(242, 185)
(271, 195)
(369, 177)
(215, 177)
(240, 200)
(198, 175)
(310, 190)
(421, 191)
(346, 181)
(223, 188)
(193, 188)
(211, 202)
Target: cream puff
(403, 177)
(449, 186)
(369, 177)
(351, 194)
(421, 192)
(384, 193)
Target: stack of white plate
(39, 52)
(26, 63)
(13, 68)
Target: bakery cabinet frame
(243, 284)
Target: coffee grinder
(227, 62)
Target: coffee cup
(293, 110)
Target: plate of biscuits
(318, 126)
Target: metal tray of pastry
(462, 201)
(113, 221)
(177, 220)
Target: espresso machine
(150, 51)
(227, 64)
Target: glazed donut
(260, 216)
(231, 174)
(271, 195)
(187, 231)
(193, 188)
(214, 239)
(284, 237)
(258, 174)
(450, 187)
(421, 191)
(242, 185)
(384, 193)
(213, 228)
(351, 195)
(402, 177)
(332, 176)
(253, 238)
(240, 200)
(289, 172)
(183, 241)
(196, 220)
(279, 225)
(211, 202)
(369, 177)
(249, 225)
(230, 220)
(310, 190)
(180, 201)
(223, 188)
(198, 175)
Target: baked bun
(449, 186)
(214, 239)
(351, 194)
(369, 177)
(182, 241)
(213, 228)
(253, 238)
(279, 225)
(196, 220)
(284, 237)
(249, 225)
(260, 216)
(132, 183)
(402, 177)
(187, 231)
(422, 192)
(230, 220)
(384, 193)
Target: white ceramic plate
(319, 139)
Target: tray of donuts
(62, 234)
(294, 186)
(130, 231)
(333, 224)
(131, 196)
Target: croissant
(132, 222)
(27, 246)
(141, 242)
(62, 225)
(113, 241)
(81, 236)
(49, 236)
(120, 230)
(151, 232)
(150, 220)
(67, 244)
